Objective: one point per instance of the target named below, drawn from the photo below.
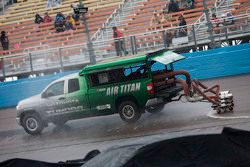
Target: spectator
(189, 4)
(60, 17)
(173, 6)
(119, 41)
(155, 20)
(38, 19)
(47, 18)
(17, 46)
(4, 40)
(165, 17)
(168, 37)
(76, 17)
(70, 23)
(216, 22)
(182, 30)
(229, 18)
(60, 22)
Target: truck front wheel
(32, 124)
(129, 111)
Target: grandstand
(42, 49)
(19, 22)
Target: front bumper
(18, 120)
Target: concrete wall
(201, 65)
(12, 92)
(217, 62)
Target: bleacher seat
(18, 23)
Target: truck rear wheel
(32, 124)
(129, 111)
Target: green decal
(127, 88)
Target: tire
(59, 122)
(32, 124)
(155, 109)
(129, 111)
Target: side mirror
(47, 94)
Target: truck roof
(162, 56)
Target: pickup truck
(126, 85)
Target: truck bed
(165, 87)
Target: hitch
(195, 91)
(222, 101)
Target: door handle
(61, 98)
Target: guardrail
(60, 58)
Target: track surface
(78, 137)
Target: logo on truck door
(127, 88)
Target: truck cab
(127, 86)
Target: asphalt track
(78, 137)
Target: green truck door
(101, 94)
(76, 99)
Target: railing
(4, 5)
(60, 58)
(126, 8)
(217, 7)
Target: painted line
(212, 114)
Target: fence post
(60, 57)
(226, 33)
(194, 35)
(124, 45)
(31, 64)
(3, 69)
(164, 39)
(135, 44)
(132, 44)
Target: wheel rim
(31, 124)
(128, 111)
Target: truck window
(73, 85)
(99, 78)
(119, 75)
(158, 67)
(55, 89)
(135, 72)
(103, 78)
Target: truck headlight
(18, 107)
